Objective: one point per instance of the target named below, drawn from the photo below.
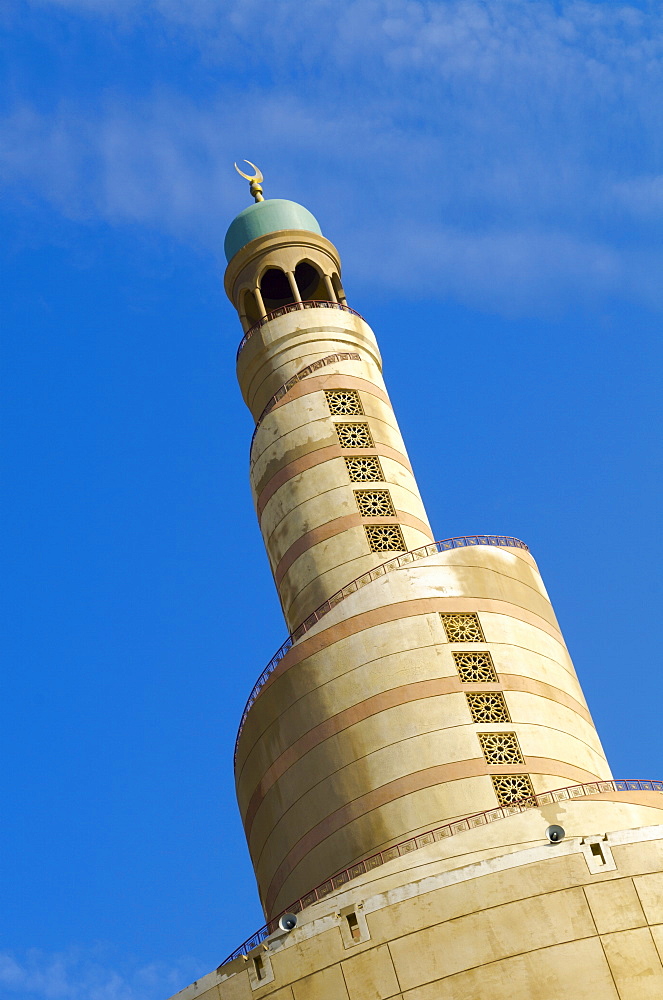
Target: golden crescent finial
(258, 173)
(254, 182)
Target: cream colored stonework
(366, 735)
(307, 508)
(352, 747)
(512, 926)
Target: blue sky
(492, 174)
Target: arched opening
(310, 283)
(250, 309)
(338, 288)
(275, 289)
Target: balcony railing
(294, 307)
(338, 880)
(331, 359)
(458, 542)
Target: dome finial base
(255, 186)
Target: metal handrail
(287, 386)
(459, 541)
(293, 307)
(338, 880)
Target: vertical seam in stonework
(495, 961)
(345, 982)
(393, 965)
(600, 939)
(486, 909)
(648, 927)
(642, 907)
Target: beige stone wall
(539, 922)
(306, 502)
(368, 732)
(364, 735)
(309, 516)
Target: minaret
(424, 720)
(440, 689)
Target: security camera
(288, 921)
(555, 834)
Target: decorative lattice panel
(354, 435)
(385, 537)
(487, 706)
(375, 503)
(364, 468)
(474, 666)
(462, 627)
(344, 402)
(512, 788)
(501, 748)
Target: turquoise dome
(267, 217)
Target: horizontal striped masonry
(280, 393)
(403, 694)
(458, 542)
(338, 880)
(293, 307)
(272, 480)
(339, 524)
(397, 788)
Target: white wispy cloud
(495, 148)
(87, 974)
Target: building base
(581, 919)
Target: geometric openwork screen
(364, 468)
(487, 706)
(501, 748)
(512, 788)
(374, 503)
(474, 666)
(385, 537)
(462, 627)
(354, 435)
(344, 402)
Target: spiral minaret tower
(402, 757)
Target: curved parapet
(364, 872)
(437, 690)
(398, 562)
(582, 919)
(290, 308)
